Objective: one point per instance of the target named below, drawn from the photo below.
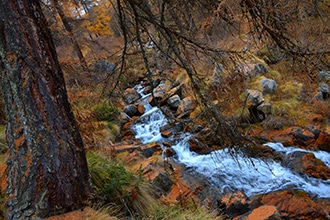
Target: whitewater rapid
(252, 176)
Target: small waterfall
(252, 176)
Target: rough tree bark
(47, 171)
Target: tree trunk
(71, 35)
(47, 171)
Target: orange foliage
(99, 21)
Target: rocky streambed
(285, 182)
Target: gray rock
(324, 88)
(173, 127)
(260, 69)
(131, 95)
(249, 70)
(265, 108)
(102, 70)
(323, 76)
(293, 161)
(269, 86)
(186, 106)
(255, 96)
(318, 96)
(130, 110)
(174, 101)
(163, 182)
(104, 66)
(324, 92)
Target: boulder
(169, 152)
(323, 76)
(173, 127)
(306, 163)
(259, 69)
(249, 70)
(174, 91)
(254, 96)
(295, 204)
(236, 203)
(163, 92)
(293, 161)
(103, 66)
(269, 86)
(102, 69)
(158, 95)
(140, 108)
(131, 95)
(315, 167)
(262, 151)
(265, 107)
(323, 141)
(166, 134)
(163, 182)
(292, 136)
(160, 91)
(131, 110)
(318, 96)
(324, 88)
(187, 105)
(324, 91)
(149, 149)
(174, 102)
(264, 212)
(198, 147)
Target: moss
(301, 193)
(291, 89)
(275, 75)
(3, 142)
(255, 84)
(319, 162)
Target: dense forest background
(187, 40)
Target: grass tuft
(106, 112)
(116, 185)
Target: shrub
(115, 185)
(106, 112)
(108, 178)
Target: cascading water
(252, 176)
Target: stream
(253, 176)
